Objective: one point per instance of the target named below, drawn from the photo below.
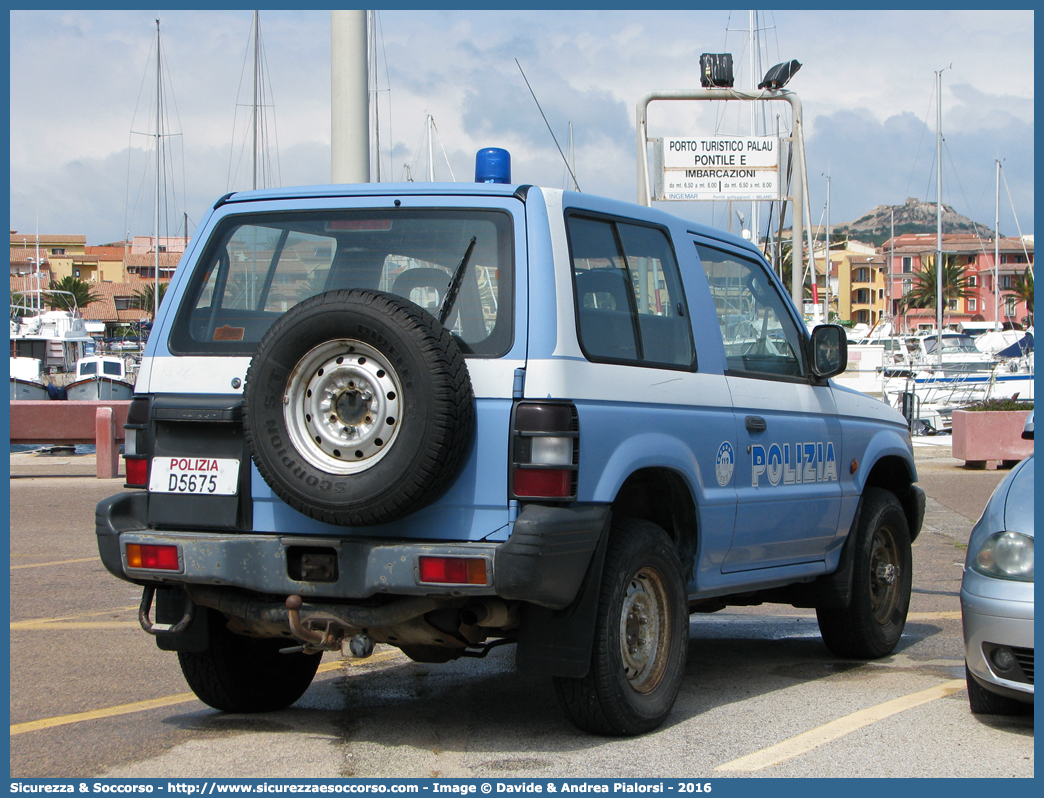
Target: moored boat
(104, 377)
(26, 382)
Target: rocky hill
(914, 216)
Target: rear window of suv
(257, 267)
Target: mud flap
(558, 642)
(172, 603)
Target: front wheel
(641, 637)
(983, 702)
(246, 674)
(871, 625)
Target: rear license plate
(206, 476)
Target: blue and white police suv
(447, 417)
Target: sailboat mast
(753, 46)
(36, 267)
(889, 272)
(939, 212)
(572, 158)
(826, 265)
(159, 144)
(996, 256)
(376, 106)
(257, 31)
(431, 155)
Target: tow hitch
(333, 637)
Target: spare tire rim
(885, 575)
(342, 406)
(645, 630)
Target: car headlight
(1007, 555)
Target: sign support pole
(798, 148)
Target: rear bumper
(543, 561)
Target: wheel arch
(662, 496)
(897, 475)
(558, 643)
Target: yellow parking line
(35, 623)
(167, 701)
(380, 656)
(934, 616)
(805, 742)
(56, 562)
(108, 712)
(65, 626)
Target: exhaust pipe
(272, 619)
(489, 612)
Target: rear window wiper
(455, 282)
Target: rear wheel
(873, 622)
(641, 637)
(246, 674)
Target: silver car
(997, 597)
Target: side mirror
(1027, 431)
(829, 350)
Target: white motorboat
(56, 338)
(105, 377)
(959, 353)
(26, 382)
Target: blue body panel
(752, 533)
(474, 508)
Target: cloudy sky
(82, 93)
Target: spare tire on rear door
(358, 407)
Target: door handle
(755, 424)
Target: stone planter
(980, 436)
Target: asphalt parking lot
(762, 697)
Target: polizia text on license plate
(201, 475)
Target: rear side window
(629, 302)
(257, 267)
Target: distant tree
(955, 284)
(145, 297)
(1023, 290)
(82, 295)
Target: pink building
(144, 245)
(989, 298)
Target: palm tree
(1022, 289)
(145, 297)
(82, 295)
(955, 284)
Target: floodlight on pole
(780, 75)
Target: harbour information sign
(717, 168)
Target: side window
(759, 335)
(628, 293)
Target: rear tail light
(545, 451)
(137, 472)
(452, 570)
(135, 445)
(154, 558)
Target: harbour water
(44, 448)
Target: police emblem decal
(724, 463)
